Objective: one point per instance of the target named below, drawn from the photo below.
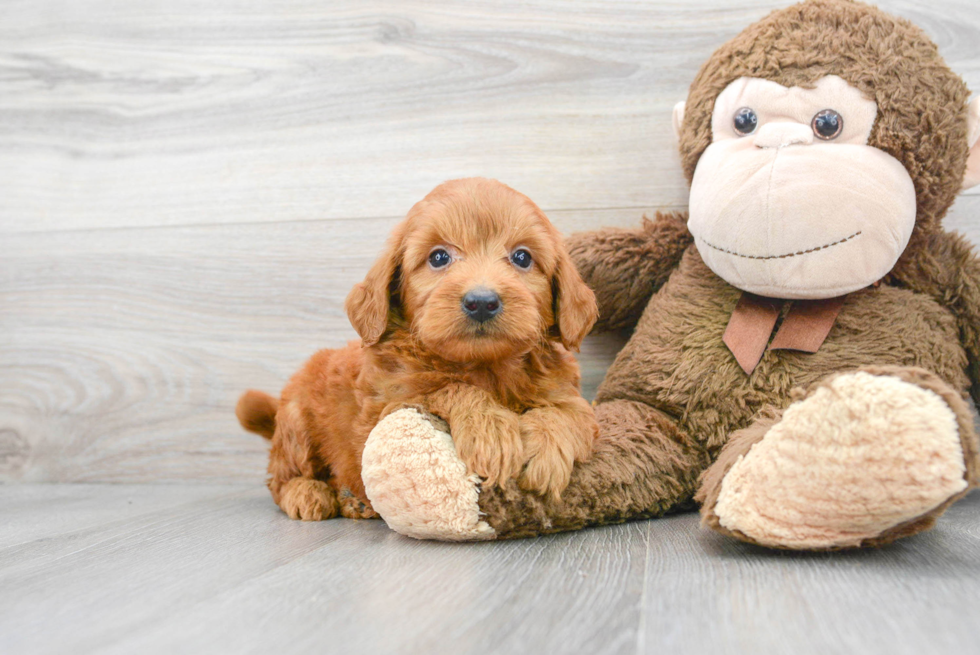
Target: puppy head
(477, 273)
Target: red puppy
(469, 314)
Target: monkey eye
(827, 124)
(745, 121)
(521, 258)
(440, 258)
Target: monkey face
(789, 200)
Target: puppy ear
(575, 306)
(369, 302)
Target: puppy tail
(256, 411)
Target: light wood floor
(218, 569)
(188, 190)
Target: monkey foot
(864, 459)
(417, 483)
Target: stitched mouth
(789, 254)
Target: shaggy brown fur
(872, 51)
(675, 395)
(650, 253)
(508, 387)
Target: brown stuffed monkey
(803, 340)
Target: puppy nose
(481, 304)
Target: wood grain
(913, 597)
(179, 112)
(224, 571)
(32, 513)
(78, 591)
(124, 355)
(188, 190)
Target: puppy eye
(827, 124)
(745, 121)
(439, 258)
(521, 258)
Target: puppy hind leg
(308, 500)
(355, 507)
(293, 471)
(354, 503)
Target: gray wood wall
(188, 189)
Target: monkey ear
(369, 302)
(972, 175)
(575, 306)
(678, 118)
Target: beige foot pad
(861, 455)
(417, 484)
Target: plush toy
(803, 341)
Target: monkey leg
(642, 466)
(866, 457)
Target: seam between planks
(641, 624)
(170, 226)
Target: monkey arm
(625, 267)
(964, 292)
(948, 269)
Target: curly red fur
(508, 387)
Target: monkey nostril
(481, 304)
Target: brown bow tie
(805, 327)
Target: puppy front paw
(552, 446)
(490, 445)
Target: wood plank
(33, 512)
(568, 593)
(177, 112)
(124, 351)
(69, 592)
(230, 573)
(233, 574)
(709, 594)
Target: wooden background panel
(188, 190)
(124, 351)
(162, 113)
